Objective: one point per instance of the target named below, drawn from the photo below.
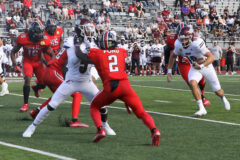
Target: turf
(182, 138)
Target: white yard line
(38, 104)
(159, 113)
(176, 89)
(162, 101)
(1, 105)
(36, 151)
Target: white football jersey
(143, 51)
(157, 50)
(75, 64)
(125, 46)
(196, 50)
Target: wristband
(170, 71)
(202, 66)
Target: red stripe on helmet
(105, 40)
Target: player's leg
(90, 90)
(194, 77)
(132, 100)
(62, 93)
(39, 72)
(211, 76)
(3, 83)
(27, 70)
(201, 85)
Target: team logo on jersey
(42, 43)
(180, 49)
(57, 32)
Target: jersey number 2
(113, 65)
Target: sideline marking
(36, 151)
(38, 104)
(159, 113)
(162, 101)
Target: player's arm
(81, 55)
(209, 60)
(61, 43)
(170, 65)
(14, 52)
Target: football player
(110, 64)
(34, 43)
(2, 80)
(78, 78)
(55, 34)
(200, 59)
(183, 63)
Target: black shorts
(156, 60)
(229, 60)
(216, 63)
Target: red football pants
(125, 93)
(37, 68)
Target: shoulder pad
(198, 42)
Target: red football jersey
(32, 51)
(110, 64)
(59, 61)
(55, 39)
(171, 40)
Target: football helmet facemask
(185, 37)
(51, 26)
(84, 27)
(36, 31)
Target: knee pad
(103, 110)
(50, 108)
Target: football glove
(17, 69)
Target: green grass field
(183, 138)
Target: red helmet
(84, 27)
(185, 36)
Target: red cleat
(156, 137)
(36, 92)
(100, 135)
(33, 113)
(24, 108)
(206, 102)
(77, 124)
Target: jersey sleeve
(177, 48)
(200, 47)
(20, 38)
(93, 54)
(68, 43)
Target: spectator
(113, 6)
(211, 5)
(135, 58)
(71, 12)
(28, 3)
(199, 22)
(180, 2)
(156, 34)
(104, 11)
(29, 20)
(163, 27)
(159, 17)
(36, 10)
(65, 13)
(226, 11)
(143, 31)
(151, 3)
(77, 11)
(222, 22)
(58, 13)
(107, 5)
(192, 13)
(154, 25)
(165, 12)
(185, 11)
(176, 20)
(92, 12)
(198, 32)
(204, 13)
(217, 32)
(101, 18)
(132, 8)
(207, 23)
(230, 57)
(50, 6)
(84, 11)
(135, 31)
(128, 32)
(169, 22)
(119, 6)
(230, 21)
(216, 50)
(157, 56)
(140, 10)
(213, 15)
(57, 4)
(25, 11)
(2, 8)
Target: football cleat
(4, 92)
(33, 113)
(36, 92)
(226, 104)
(201, 112)
(29, 131)
(206, 102)
(109, 131)
(100, 135)
(4, 89)
(24, 108)
(156, 137)
(77, 124)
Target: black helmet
(51, 26)
(108, 40)
(36, 31)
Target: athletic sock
(200, 104)
(26, 91)
(148, 121)
(76, 103)
(42, 115)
